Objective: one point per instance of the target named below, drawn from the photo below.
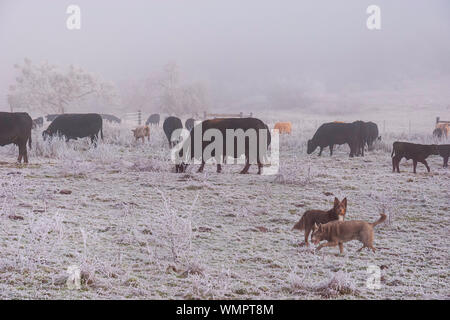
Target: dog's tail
(300, 225)
(381, 220)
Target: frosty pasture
(139, 231)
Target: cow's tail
(300, 225)
(101, 132)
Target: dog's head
(318, 233)
(340, 207)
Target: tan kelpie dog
(338, 232)
(312, 217)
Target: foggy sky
(232, 42)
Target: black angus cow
(38, 122)
(110, 118)
(169, 126)
(329, 134)
(249, 135)
(444, 152)
(76, 125)
(51, 117)
(15, 127)
(189, 124)
(371, 134)
(153, 119)
(416, 152)
(438, 133)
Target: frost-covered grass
(137, 230)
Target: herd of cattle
(15, 128)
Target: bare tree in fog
(46, 88)
(166, 92)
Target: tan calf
(142, 132)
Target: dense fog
(244, 55)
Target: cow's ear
(336, 202)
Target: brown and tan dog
(312, 217)
(338, 232)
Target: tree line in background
(47, 88)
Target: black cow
(438, 133)
(444, 152)
(15, 127)
(189, 124)
(38, 122)
(153, 119)
(76, 125)
(417, 152)
(254, 134)
(111, 118)
(51, 117)
(169, 126)
(329, 134)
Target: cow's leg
(219, 168)
(393, 164)
(200, 170)
(331, 149)
(414, 165)
(25, 153)
(246, 167)
(398, 164)
(19, 159)
(320, 151)
(426, 165)
(445, 162)
(260, 165)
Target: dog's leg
(328, 244)
(359, 250)
(307, 231)
(341, 247)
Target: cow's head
(46, 134)
(311, 147)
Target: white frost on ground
(138, 230)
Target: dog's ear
(336, 202)
(320, 227)
(315, 227)
(344, 202)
